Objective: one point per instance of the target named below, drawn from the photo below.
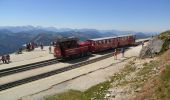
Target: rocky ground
(129, 81)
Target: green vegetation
(166, 37)
(96, 92)
(141, 75)
(165, 46)
(163, 88)
(148, 68)
(70, 95)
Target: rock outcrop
(154, 47)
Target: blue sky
(135, 15)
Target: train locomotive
(71, 47)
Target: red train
(70, 47)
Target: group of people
(30, 46)
(115, 53)
(5, 59)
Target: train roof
(96, 39)
(67, 39)
(104, 38)
(126, 35)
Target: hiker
(20, 50)
(122, 51)
(3, 59)
(142, 43)
(0, 58)
(49, 49)
(41, 46)
(8, 58)
(115, 54)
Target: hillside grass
(96, 92)
(165, 36)
(157, 87)
(162, 89)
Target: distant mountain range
(13, 37)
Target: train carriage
(125, 40)
(101, 44)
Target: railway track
(22, 68)
(14, 70)
(47, 74)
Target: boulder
(154, 47)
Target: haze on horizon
(133, 15)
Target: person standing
(122, 51)
(8, 58)
(142, 43)
(49, 49)
(41, 46)
(3, 59)
(115, 54)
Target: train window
(93, 43)
(98, 42)
(103, 41)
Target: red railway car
(125, 40)
(101, 44)
(71, 47)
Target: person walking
(3, 59)
(122, 51)
(8, 58)
(115, 54)
(41, 46)
(49, 49)
(142, 43)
